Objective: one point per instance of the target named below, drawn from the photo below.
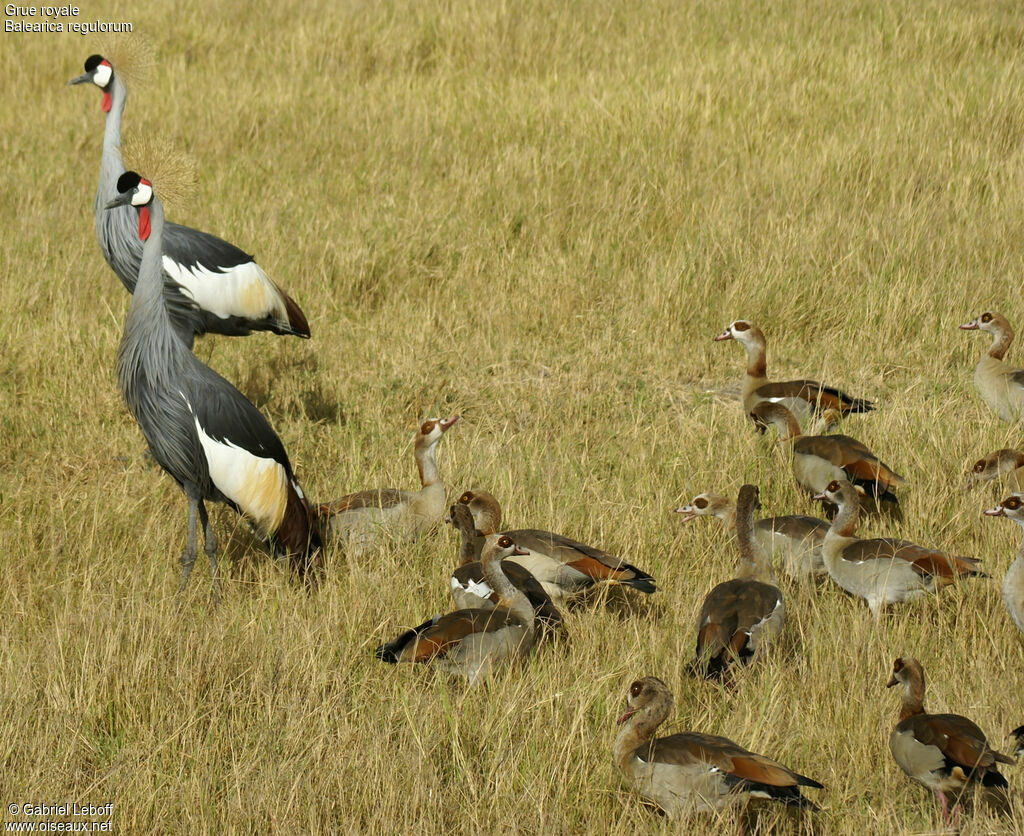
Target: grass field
(537, 215)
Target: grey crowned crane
(209, 285)
(212, 441)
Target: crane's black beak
(84, 78)
(121, 200)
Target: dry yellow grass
(538, 215)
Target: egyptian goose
(1005, 464)
(797, 536)
(944, 752)
(801, 397)
(883, 570)
(361, 520)
(470, 642)
(564, 567)
(1001, 386)
(694, 772)
(741, 615)
(818, 459)
(1013, 583)
(470, 589)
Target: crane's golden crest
(132, 56)
(170, 170)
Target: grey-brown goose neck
(911, 677)
(426, 464)
(470, 540)
(754, 563)
(642, 724)
(509, 597)
(845, 521)
(1002, 336)
(757, 360)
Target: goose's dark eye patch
(986, 317)
(700, 503)
(741, 325)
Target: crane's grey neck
(111, 164)
(147, 305)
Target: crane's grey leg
(188, 557)
(210, 547)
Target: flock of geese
(509, 587)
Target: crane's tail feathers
(299, 534)
(297, 323)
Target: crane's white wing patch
(258, 486)
(243, 290)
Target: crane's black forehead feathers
(127, 181)
(92, 62)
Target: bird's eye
(700, 502)
(979, 465)
(740, 325)
(897, 666)
(427, 428)
(466, 498)
(1013, 503)
(505, 543)
(636, 688)
(986, 317)
(833, 487)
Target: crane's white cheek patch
(243, 291)
(101, 75)
(258, 486)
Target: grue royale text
(56, 19)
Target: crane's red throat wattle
(143, 223)
(105, 104)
